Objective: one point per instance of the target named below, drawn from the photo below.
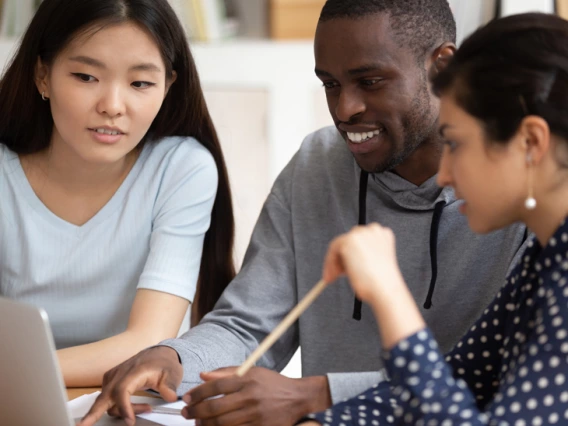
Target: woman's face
(105, 89)
(489, 177)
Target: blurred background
(255, 60)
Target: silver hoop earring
(43, 96)
(530, 202)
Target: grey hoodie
(314, 199)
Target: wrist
(390, 293)
(314, 395)
(168, 352)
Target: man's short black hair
(418, 24)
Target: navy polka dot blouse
(511, 367)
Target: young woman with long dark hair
(115, 204)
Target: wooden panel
(240, 119)
(562, 8)
(294, 19)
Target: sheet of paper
(78, 407)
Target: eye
(370, 82)
(329, 85)
(84, 77)
(451, 145)
(143, 84)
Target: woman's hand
(367, 255)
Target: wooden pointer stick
(281, 328)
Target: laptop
(32, 391)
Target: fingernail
(186, 398)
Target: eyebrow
(146, 66)
(365, 69)
(355, 71)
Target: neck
(422, 164)
(64, 168)
(552, 203)
(545, 219)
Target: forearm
(396, 312)
(85, 365)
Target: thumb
(168, 389)
(218, 374)
(333, 266)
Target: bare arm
(155, 316)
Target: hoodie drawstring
(364, 178)
(434, 250)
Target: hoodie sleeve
(254, 303)
(345, 385)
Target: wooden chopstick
(281, 328)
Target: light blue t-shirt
(149, 236)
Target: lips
(106, 138)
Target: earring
(43, 96)
(530, 202)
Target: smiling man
(378, 163)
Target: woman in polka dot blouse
(504, 103)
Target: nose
(111, 102)
(444, 177)
(349, 105)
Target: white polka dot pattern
(509, 369)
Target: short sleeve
(181, 217)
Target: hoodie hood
(409, 196)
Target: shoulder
(326, 145)
(176, 150)
(321, 152)
(322, 157)
(5, 153)
(176, 159)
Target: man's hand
(156, 368)
(260, 397)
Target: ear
(169, 83)
(534, 137)
(440, 58)
(41, 77)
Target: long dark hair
(511, 68)
(26, 123)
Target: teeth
(362, 137)
(107, 132)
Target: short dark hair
(417, 24)
(512, 67)
(26, 122)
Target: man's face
(376, 90)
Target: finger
(137, 408)
(333, 264)
(167, 388)
(213, 388)
(240, 417)
(213, 408)
(218, 374)
(100, 406)
(122, 392)
(231, 370)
